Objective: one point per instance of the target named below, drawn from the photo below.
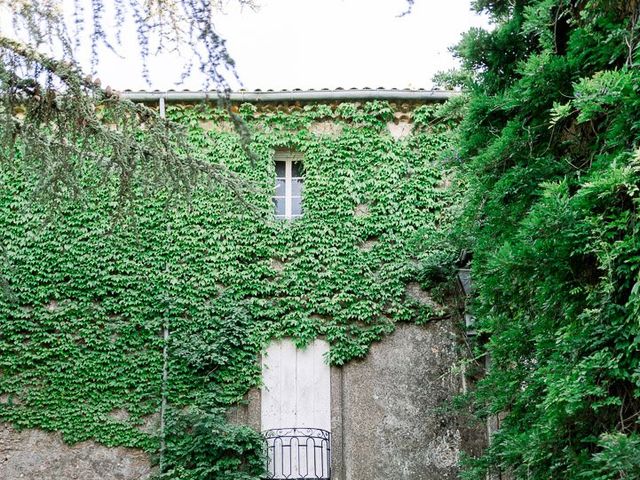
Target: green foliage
(618, 456)
(550, 141)
(59, 124)
(87, 298)
(203, 446)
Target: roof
(296, 95)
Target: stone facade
(391, 415)
(39, 455)
(396, 420)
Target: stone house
(325, 282)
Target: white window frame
(289, 158)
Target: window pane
(281, 168)
(279, 205)
(279, 190)
(296, 206)
(296, 187)
(296, 169)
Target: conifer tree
(61, 121)
(551, 169)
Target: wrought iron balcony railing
(298, 453)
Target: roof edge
(295, 95)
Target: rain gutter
(296, 95)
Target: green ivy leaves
(81, 342)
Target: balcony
(298, 453)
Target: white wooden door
(296, 395)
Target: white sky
(288, 44)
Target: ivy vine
(86, 298)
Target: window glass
(279, 204)
(287, 195)
(296, 169)
(296, 206)
(296, 187)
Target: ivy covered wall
(86, 295)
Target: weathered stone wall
(391, 412)
(391, 420)
(39, 455)
(397, 421)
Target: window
(287, 199)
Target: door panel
(296, 386)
